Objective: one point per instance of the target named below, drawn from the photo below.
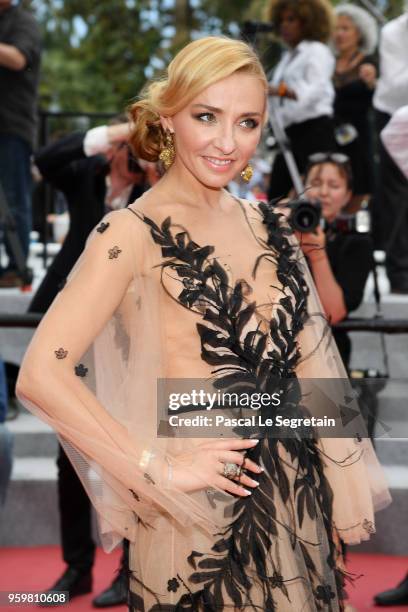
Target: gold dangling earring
(247, 173)
(168, 153)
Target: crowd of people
(165, 175)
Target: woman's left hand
(313, 243)
(282, 91)
(368, 74)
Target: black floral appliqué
(173, 585)
(325, 593)
(61, 353)
(368, 526)
(114, 252)
(81, 370)
(102, 227)
(135, 495)
(148, 478)
(276, 581)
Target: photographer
(20, 52)
(340, 260)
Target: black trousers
(391, 213)
(312, 136)
(78, 547)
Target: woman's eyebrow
(214, 109)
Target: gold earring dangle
(247, 173)
(168, 153)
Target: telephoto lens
(304, 215)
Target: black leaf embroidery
(114, 252)
(325, 593)
(81, 370)
(368, 526)
(148, 478)
(173, 584)
(102, 227)
(61, 353)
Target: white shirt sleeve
(394, 67)
(395, 138)
(318, 73)
(96, 141)
(392, 86)
(308, 71)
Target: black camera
(359, 223)
(304, 215)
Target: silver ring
(231, 470)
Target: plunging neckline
(212, 256)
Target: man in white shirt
(391, 205)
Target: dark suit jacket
(64, 165)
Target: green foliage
(95, 54)
(99, 53)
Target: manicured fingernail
(260, 469)
(254, 442)
(255, 483)
(246, 492)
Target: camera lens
(305, 216)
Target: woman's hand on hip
(203, 467)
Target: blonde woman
(190, 283)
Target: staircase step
(32, 437)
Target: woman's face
(290, 28)
(326, 183)
(216, 134)
(346, 35)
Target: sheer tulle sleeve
(85, 365)
(350, 464)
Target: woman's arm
(12, 58)
(330, 292)
(47, 377)
(131, 460)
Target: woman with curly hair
(301, 87)
(355, 40)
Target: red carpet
(34, 569)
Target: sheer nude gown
(171, 291)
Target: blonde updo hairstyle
(197, 66)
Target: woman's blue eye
(250, 123)
(205, 117)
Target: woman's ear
(167, 124)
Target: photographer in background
(20, 51)
(340, 261)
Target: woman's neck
(348, 55)
(184, 188)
